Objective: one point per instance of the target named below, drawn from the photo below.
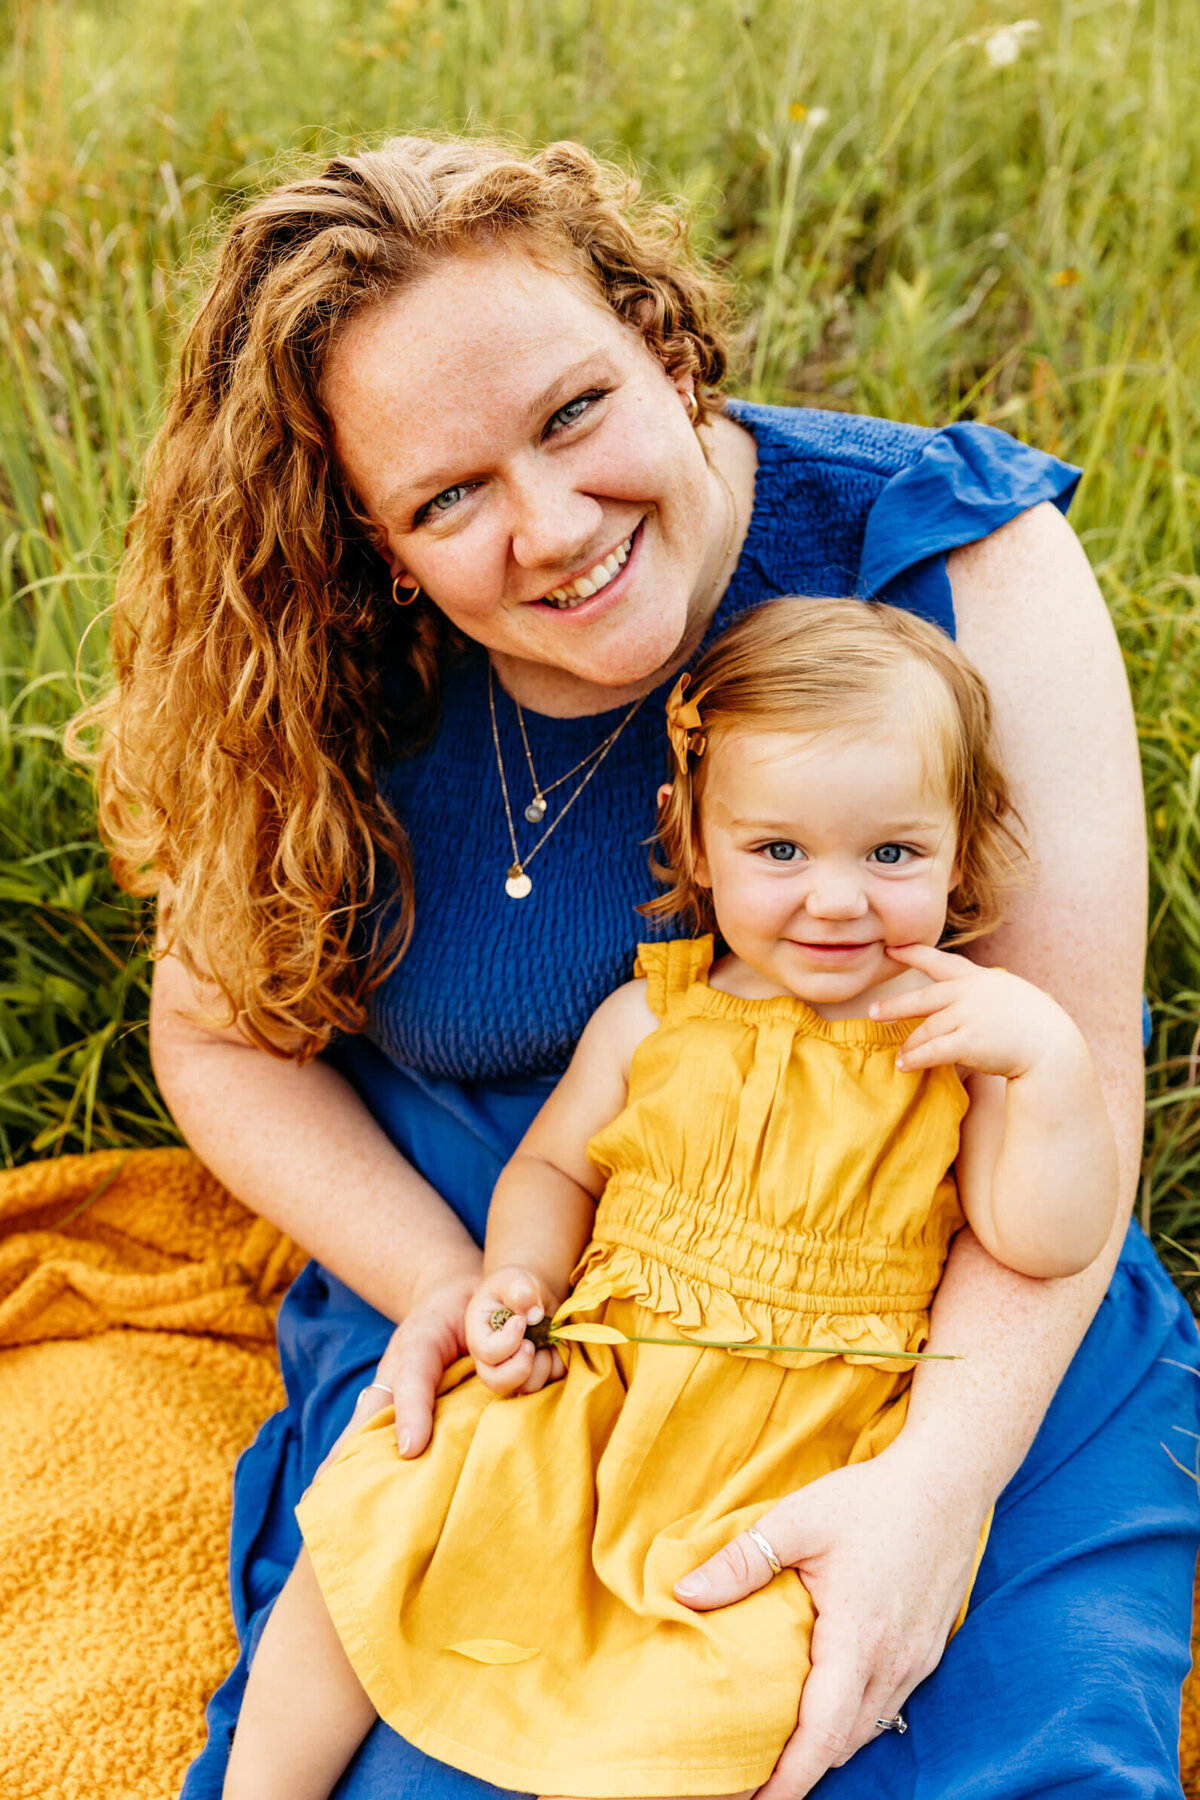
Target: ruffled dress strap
(671, 970)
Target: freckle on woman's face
(513, 437)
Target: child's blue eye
(890, 855)
(783, 852)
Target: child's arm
(545, 1200)
(1037, 1166)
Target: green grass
(915, 232)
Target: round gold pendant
(518, 884)
(535, 812)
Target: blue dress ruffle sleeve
(1084, 1593)
(967, 482)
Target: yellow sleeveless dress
(506, 1598)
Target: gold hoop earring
(413, 593)
(693, 406)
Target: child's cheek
(916, 911)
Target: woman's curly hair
(252, 624)
(810, 666)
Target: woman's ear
(663, 795)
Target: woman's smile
(606, 582)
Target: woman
(479, 384)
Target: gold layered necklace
(517, 884)
(535, 812)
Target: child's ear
(663, 795)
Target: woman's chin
(629, 653)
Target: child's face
(821, 851)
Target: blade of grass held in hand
(546, 1332)
(608, 1334)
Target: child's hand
(984, 1019)
(505, 1360)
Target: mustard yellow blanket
(137, 1302)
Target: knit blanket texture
(137, 1359)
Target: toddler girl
(762, 1157)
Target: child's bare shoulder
(622, 1020)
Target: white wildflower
(1003, 46)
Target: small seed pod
(538, 1335)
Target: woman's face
(519, 444)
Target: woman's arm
(299, 1146)
(886, 1547)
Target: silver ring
(756, 1537)
(898, 1724)
(381, 1385)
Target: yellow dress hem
(652, 1781)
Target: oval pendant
(535, 812)
(518, 885)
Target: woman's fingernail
(534, 1314)
(403, 1441)
(900, 1063)
(698, 1583)
(873, 1010)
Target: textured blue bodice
(494, 988)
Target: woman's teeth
(584, 586)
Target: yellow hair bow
(684, 725)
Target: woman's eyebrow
(433, 481)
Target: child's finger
(934, 1053)
(941, 1024)
(492, 1338)
(539, 1374)
(510, 1376)
(917, 1003)
(516, 1288)
(939, 965)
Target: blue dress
(1065, 1678)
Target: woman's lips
(592, 606)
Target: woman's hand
(886, 1551)
(418, 1354)
(506, 1361)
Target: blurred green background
(934, 210)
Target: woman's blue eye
(891, 854)
(574, 410)
(783, 852)
(446, 499)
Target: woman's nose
(551, 524)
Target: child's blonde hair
(835, 665)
